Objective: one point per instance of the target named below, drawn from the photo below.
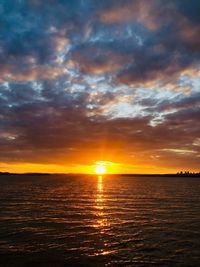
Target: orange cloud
(60, 43)
(189, 32)
(99, 61)
(140, 11)
(37, 73)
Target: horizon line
(93, 174)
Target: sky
(112, 80)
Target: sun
(100, 169)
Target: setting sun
(100, 169)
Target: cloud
(81, 77)
(36, 73)
(98, 60)
(138, 11)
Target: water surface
(99, 221)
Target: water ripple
(111, 221)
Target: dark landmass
(179, 174)
(28, 173)
(165, 175)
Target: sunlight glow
(100, 168)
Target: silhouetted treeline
(179, 174)
(188, 173)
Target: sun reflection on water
(100, 184)
(101, 224)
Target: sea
(85, 220)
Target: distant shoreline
(120, 174)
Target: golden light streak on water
(99, 221)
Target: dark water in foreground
(91, 221)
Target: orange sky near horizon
(111, 168)
(89, 81)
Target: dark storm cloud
(64, 63)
